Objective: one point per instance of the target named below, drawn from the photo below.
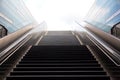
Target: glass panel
(104, 14)
(15, 15)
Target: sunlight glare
(58, 14)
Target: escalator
(57, 57)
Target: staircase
(58, 56)
(58, 63)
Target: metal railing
(110, 51)
(11, 43)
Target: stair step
(60, 77)
(57, 65)
(73, 54)
(90, 58)
(61, 56)
(58, 68)
(58, 73)
(69, 51)
(59, 53)
(58, 61)
(40, 62)
(58, 48)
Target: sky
(59, 14)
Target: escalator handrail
(15, 46)
(108, 50)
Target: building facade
(14, 15)
(104, 14)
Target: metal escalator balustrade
(5, 54)
(15, 49)
(106, 54)
(14, 41)
(112, 52)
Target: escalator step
(58, 62)
(58, 68)
(58, 65)
(59, 77)
(58, 73)
(57, 59)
